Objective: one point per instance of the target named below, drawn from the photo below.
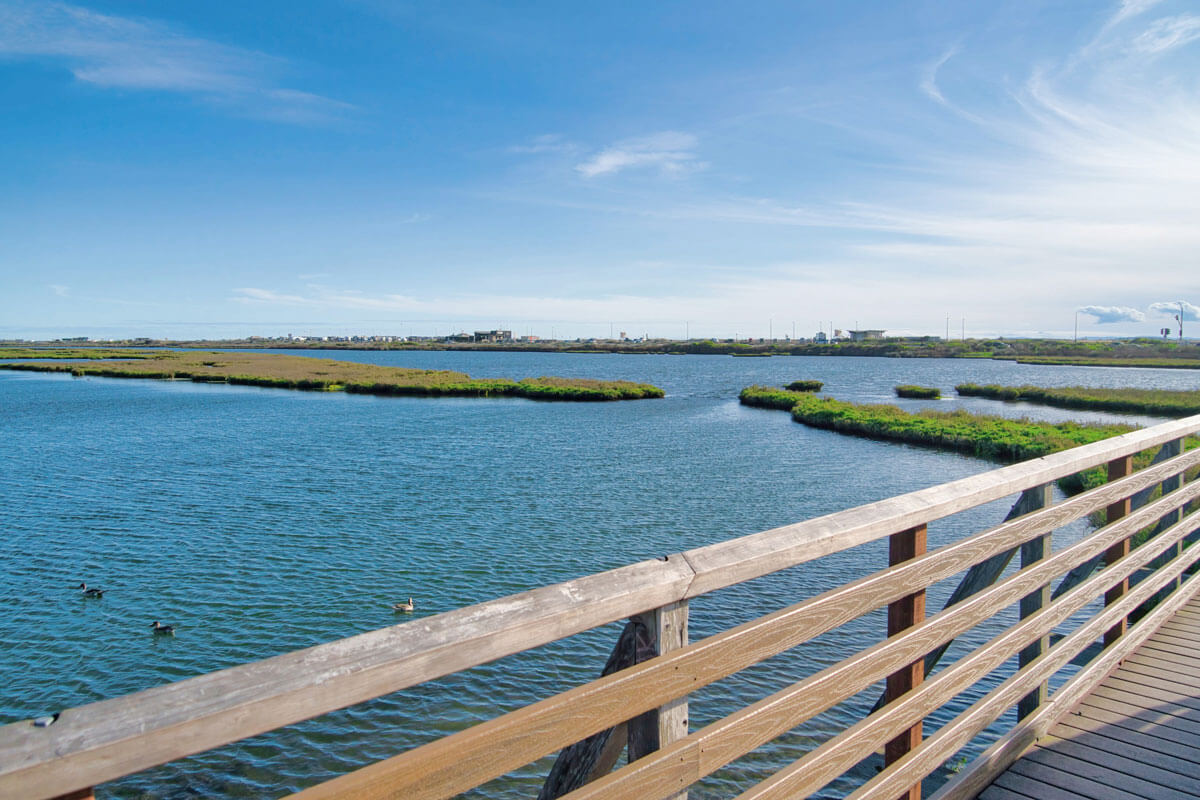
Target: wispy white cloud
(325, 297)
(60, 290)
(546, 143)
(269, 296)
(929, 83)
(115, 52)
(1111, 314)
(671, 152)
(1167, 34)
(1131, 8)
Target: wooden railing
(640, 703)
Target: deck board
(1136, 735)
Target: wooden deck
(1137, 734)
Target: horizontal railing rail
(103, 741)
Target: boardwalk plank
(995, 792)
(1137, 734)
(1174, 657)
(1176, 640)
(1131, 764)
(1149, 691)
(1119, 741)
(1033, 788)
(1169, 644)
(1065, 778)
(1187, 627)
(1148, 659)
(1186, 715)
(1147, 724)
(1144, 671)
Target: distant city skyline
(675, 170)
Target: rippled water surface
(260, 521)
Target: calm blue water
(260, 521)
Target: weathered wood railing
(655, 669)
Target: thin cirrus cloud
(1101, 159)
(115, 52)
(670, 152)
(1167, 34)
(324, 297)
(1111, 314)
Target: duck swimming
(405, 607)
(165, 630)
(90, 591)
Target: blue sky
(678, 168)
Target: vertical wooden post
(1172, 448)
(668, 629)
(903, 614)
(1032, 552)
(1117, 468)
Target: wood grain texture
(837, 755)
(1117, 468)
(902, 615)
(668, 723)
(993, 761)
(1168, 451)
(988, 571)
(1032, 552)
(956, 733)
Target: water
(260, 521)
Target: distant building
(493, 336)
(820, 338)
(865, 336)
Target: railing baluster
(1117, 468)
(1032, 552)
(903, 614)
(1174, 448)
(668, 629)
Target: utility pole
(1180, 318)
(963, 335)
(1076, 326)
(947, 327)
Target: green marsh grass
(993, 438)
(316, 374)
(805, 386)
(1157, 402)
(1085, 361)
(918, 392)
(76, 353)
